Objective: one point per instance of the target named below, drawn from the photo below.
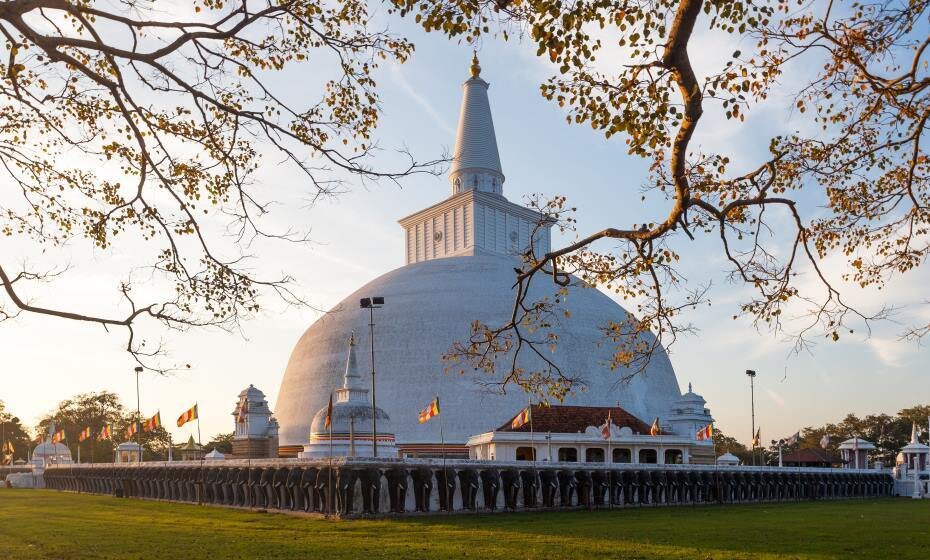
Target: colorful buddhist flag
(133, 429)
(328, 423)
(757, 439)
(519, 420)
(85, 434)
(432, 409)
(190, 414)
(58, 437)
(242, 411)
(793, 439)
(705, 433)
(655, 430)
(104, 433)
(605, 429)
(8, 448)
(153, 423)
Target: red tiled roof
(562, 419)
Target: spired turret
(476, 219)
(476, 163)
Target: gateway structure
(460, 257)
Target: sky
(356, 238)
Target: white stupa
(49, 453)
(460, 258)
(350, 432)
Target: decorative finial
(352, 341)
(689, 387)
(475, 67)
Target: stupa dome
(428, 306)
(351, 401)
(54, 452)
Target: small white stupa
(48, 453)
(350, 432)
(915, 453)
(728, 460)
(214, 455)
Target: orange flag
(655, 429)
(329, 414)
(190, 414)
(431, 410)
(520, 419)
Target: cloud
(892, 353)
(776, 398)
(398, 76)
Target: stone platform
(365, 487)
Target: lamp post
(138, 370)
(371, 304)
(752, 401)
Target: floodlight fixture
(372, 303)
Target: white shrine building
(256, 434)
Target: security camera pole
(371, 304)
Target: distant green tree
(12, 431)
(93, 410)
(220, 442)
(155, 444)
(724, 444)
(888, 433)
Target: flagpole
(716, 475)
(203, 488)
(529, 409)
(609, 461)
(329, 497)
(442, 447)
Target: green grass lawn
(48, 524)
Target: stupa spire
(476, 163)
(352, 378)
(352, 389)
